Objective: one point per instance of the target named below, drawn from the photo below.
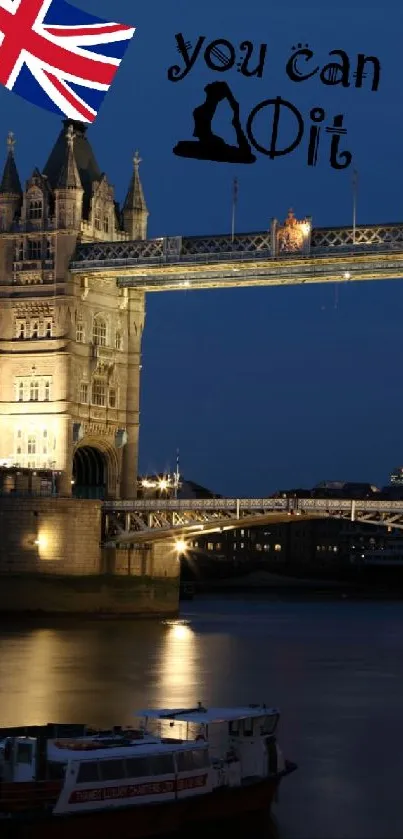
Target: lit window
(277, 547)
(34, 249)
(31, 445)
(118, 341)
(20, 392)
(34, 391)
(98, 392)
(242, 545)
(79, 332)
(21, 330)
(99, 333)
(35, 209)
(47, 391)
(84, 393)
(112, 397)
(210, 546)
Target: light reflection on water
(334, 669)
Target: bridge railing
(261, 245)
(257, 504)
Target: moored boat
(175, 769)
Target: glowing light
(41, 542)
(306, 228)
(180, 546)
(347, 275)
(163, 484)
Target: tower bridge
(143, 521)
(290, 254)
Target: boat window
(192, 759)
(112, 770)
(56, 771)
(234, 728)
(141, 767)
(88, 772)
(269, 724)
(201, 758)
(24, 753)
(248, 727)
(162, 764)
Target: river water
(334, 669)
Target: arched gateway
(95, 470)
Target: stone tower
(70, 348)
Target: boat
(176, 769)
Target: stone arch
(95, 469)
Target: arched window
(35, 208)
(47, 391)
(34, 391)
(80, 332)
(97, 219)
(106, 224)
(99, 332)
(35, 330)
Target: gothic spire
(69, 177)
(135, 196)
(135, 213)
(10, 182)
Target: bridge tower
(70, 346)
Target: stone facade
(51, 562)
(70, 348)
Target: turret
(135, 213)
(68, 189)
(10, 188)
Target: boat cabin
(244, 735)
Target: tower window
(35, 209)
(34, 249)
(34, 391)
(99, 332)
(97, 220)
(106, 224)
(21, 330)
(112, 397)
(118, 341)
(98, 392)
(34, 329)
(32, 445)
(84, 393)
(47, 391)
(20, 392)
(80, 332)
(48, 331)
(49, 249)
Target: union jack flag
(58, 57)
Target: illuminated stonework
(70, 349)
(293, 235)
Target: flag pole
(355, 184)
(234, 203)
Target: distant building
(396, 478)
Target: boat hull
(151, 820)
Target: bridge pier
(52, 562)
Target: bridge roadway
(145, 521)
(314, 255)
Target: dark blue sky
(259, 388)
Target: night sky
(260, 389)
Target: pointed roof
(69, 177)
(10, 182)
(84, 157)
(135, 197)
